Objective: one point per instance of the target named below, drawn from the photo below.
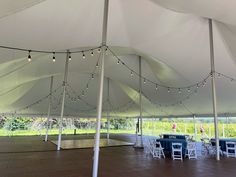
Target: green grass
(55, 132)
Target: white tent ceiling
(171, 36)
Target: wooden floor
(31, 157)
(89, 143)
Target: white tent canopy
(172, 37)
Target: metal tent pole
(185, 128)
(140, 100)
(140, 119)
(101, 80)
(214, 89)
(227, 126)
(49, 108)
(99, 114)
(223, 130)
(108, 111)
(63, 100)
(74, 126)
(195, 127)
(136, 132)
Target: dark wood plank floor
(18, 159)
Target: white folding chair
(205, 150)
(177, 151)
(213, 149)
(158, 150)
(231, 149)
(191, 150)
(149, 145)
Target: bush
(18, 123)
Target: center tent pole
(108, 111)
(213, 82)
(99, 115)
(63, 100)
(49, 109)
(101, 81)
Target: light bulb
(70, 57)
(106, 51)
(179, 90)
(83, 55)
(29, 56)
(131, 73)
(53, 58)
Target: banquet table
(173, 136)
(167, 144)
(222, 142)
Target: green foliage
(154, 127)
(121, 123)
(18, 123)
(2, 121)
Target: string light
(106, 51)
(82, 93)
(53, 58)
(131, 73)
(87, 87)
(83, 55)
(188, 89)
(156, 87)
(97, 65)
(204, 83)
(92, 76)
(197, 86)
(99, 50)
(92, 53)
(144, 81)
(69, 56)
(168, 90)
(29, 56)
(179, 90)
